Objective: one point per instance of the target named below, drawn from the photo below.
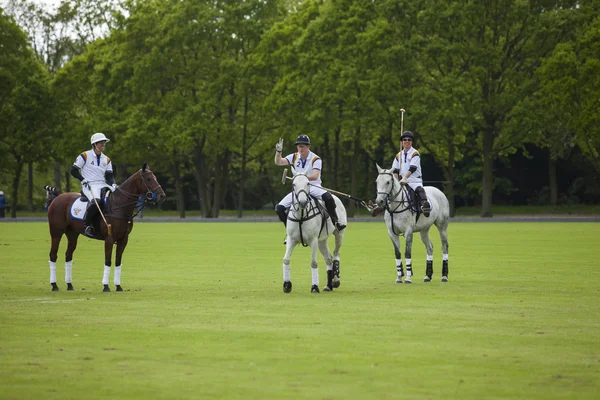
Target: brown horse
(115, 228)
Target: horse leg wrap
(68, 269)
(429, 269)
(106, 275)
(330, 279)
(445, 268)
(117, 276)
(52, 272)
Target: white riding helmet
(99, 137)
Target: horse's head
(153, 192)
(300, 189)
(386, 186)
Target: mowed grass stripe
(203, 315)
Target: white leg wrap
(398, 262)
(52, 272)
(429, 257)
(336, 258)
(315, 276)
(117, 278)
(286, 273)
(408, 267)
(68, 269)
(445, 257)
(106, 275)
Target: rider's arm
(109, 177)
(280, 160)
(315, 175)
(76, 172)
(410, 171)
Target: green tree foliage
(26, 124)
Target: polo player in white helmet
(94, 169)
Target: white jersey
(93, 168)
(311, 163)
(404, 160)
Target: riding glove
(84, 183)
(113, 187)
(403, 181)
(279, 146)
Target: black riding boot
(282, 214)
(330, 205)
(425, 206)
(90, 217)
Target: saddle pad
(78, 209)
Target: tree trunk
(488, 172)
(353, 173)
(179, 198)
(449, 176)
(242, 179)
(15, 188)
(57, 174)
(202, 180)
(553, 183)
(30, 186)
(221, 182)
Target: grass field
(203, 316)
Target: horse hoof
(399, 280)
(106, 288)
(55, 287)
(336, 283)
(287, 287)
(427, 279)
(119, 288)
(70, 286)
(327, 289)
(444, 279)
(314, 289)
(407, 280)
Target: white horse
(309, 224)
(403, 216)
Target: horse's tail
(51, 194)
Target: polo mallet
(361, 202)
(401, 125)
(109, 226)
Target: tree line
(202, 91)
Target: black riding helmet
(302, 139)
(407, 134)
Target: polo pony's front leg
(121, 244)
(108, 248)
(408, 237)
(314, 267)
(289, 247)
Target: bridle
(390, 199)
(305, 214)
(150, 196)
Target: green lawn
(203, 316)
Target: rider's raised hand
(279, 146)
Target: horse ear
(379, 169)
(144, 167)
(294, 173)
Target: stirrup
(340, 227)
(426, 208)
(89, 231)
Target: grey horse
(402, 217)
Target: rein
(312, 212)
(150, 197)
(391, 199)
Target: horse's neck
(124, 200)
